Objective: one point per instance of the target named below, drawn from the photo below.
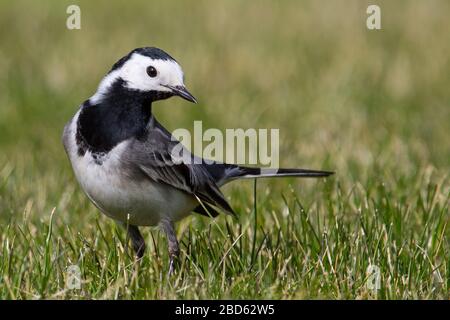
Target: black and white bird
(123, 159)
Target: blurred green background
(371, 105)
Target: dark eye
(151, 71)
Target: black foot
(174, 250)
(137, 241)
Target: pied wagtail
(122, 157)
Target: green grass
(371, 105)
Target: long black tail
(246, 172)
(222, 173)
(232, 172)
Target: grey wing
(153, 157)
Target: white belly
(138, 203)
(141, 203)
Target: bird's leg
(174, 249)
(137, 240)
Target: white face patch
(134, 73)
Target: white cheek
(136, 77)
(134, 72)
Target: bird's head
(148, 71)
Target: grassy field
(371, 105)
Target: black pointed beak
(182, 92)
